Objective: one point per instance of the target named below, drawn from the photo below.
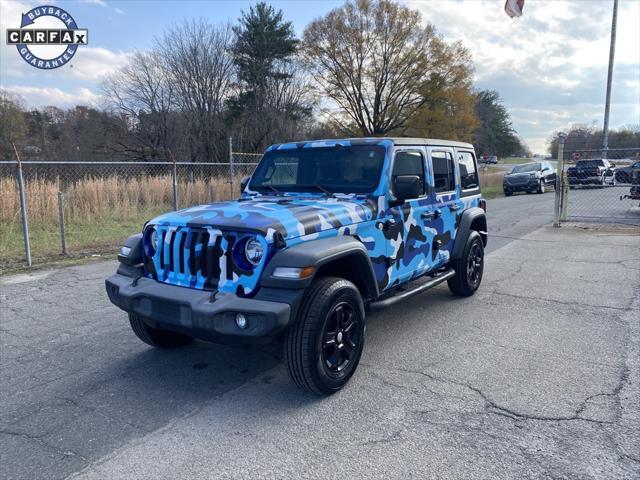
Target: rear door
(446, 204)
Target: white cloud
(118, 11)
(549, 65)
(45, 96)
(102, 3)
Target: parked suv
(529, 177)
(489, 159)
(592, 172)
(323, 232)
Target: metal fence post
(559, 180)
(175, 185)
(61, 220)
(565, 197)
(231, 166)
(23, 210)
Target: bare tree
(370, 57)
(141, 93)
(199, 64)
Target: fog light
(241, 321)
(125, 251)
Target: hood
(290, 216)
(522, 174)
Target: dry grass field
(99, 212)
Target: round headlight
(253, 251)
(151, 244)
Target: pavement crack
(560, 302)
(493, 407)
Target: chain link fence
(598, 189)
(76, 209)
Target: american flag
(514, 7)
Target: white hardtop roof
(401, 141)
(429, 142)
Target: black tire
(466, 282)
(541, 186)
(507, 193)
(313, 362)
(155, 337)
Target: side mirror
(407, 187)
(244, 182)
(545, 169)
(612, 165)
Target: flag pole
(607, 106)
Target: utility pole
(607, 105)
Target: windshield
(589, 163)
(527, 167)
(354, 169)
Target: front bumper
(529, 186)
(584, 180)
(195, 313)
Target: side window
(443, 171)
(468, 172)
(409, 163)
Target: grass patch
(103, 233)
(492, 192)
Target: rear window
(468, 173)
(589, 163)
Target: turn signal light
(294, 272)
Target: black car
(597, 171)
(624, 174)
(529, 177)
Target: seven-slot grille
(194, 257)
(519, 179)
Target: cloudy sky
(549, 65)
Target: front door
(412, 225)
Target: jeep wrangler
(323, 232)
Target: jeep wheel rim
(341, 337)
(474, 264)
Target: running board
(437, 280)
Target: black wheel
(468, 268)
(508, 193)
(156, 337)
(323, 347)
(541, 186)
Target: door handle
(453, 207)
(431, 215)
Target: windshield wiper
(322, 189)
(272, 188)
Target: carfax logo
(51, 39)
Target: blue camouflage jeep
(323, 232)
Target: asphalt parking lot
(536, 376)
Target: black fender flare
(319, 253)
(469, 216)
